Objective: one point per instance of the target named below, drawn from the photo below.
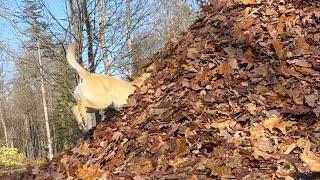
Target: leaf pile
(236, 97)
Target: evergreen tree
(66, 130)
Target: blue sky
(11, 37)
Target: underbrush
(11, 157)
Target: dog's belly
(77, 93)
(100, 100)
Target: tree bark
(86, 16)
(77, 27)
(102, 39)
(4, 126)
(129, 32)
(45, 107)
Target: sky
(11, 37)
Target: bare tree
(102, 38)
(129, 32)
(1, 105)
(45, 107)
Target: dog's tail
(71, 58)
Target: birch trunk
(4, 126)
(1, 96)
(45, 107)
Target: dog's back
(104, 91)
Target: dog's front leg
(76, 113)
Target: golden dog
(97, 91)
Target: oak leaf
(247, 2)
(278, 49)
(312, 159)
(89, 172)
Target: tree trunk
(86, 16)
(129, 40)
(102, 39)
(45, 108)
(4, 126)
(77, 27)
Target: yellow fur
(96, 91)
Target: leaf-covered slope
(237, 96)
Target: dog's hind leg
(83, 105)
(76, 113)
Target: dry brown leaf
(278, 49)
(317, 127)
(177, 162)
(227, 124)
(287, 148)
(142, 167)
(311, 99)
(301, 63)
(216, 169)
(304, 143)
(316, 111)
(272, 32)
(247, 2)
(312, 159)
(284, 125)
(272, 122)
(116, 136)
(235, 161)
(277, 122)
(281, 24)
(266, 156)
(247, 23)
(301, 46)
(143, 138)
(257, 132)
(182, 145)
(264, 144)
(226, 70)
(85, 150)
(296, 96)
(89, 172)
(307, 71)
(262, 89)
(192, 53)
(252, 108)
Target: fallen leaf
(192, 53)
(301, 46)
(89, 172)
(116, 136)
(301, 63)
(312, 159)
(278, 123)
(272, 122)
(216, 169)
(264, 144)
(226, 70)
(142, 167)
(278, 48)
(252, 108)
(311, 99)
(247, 23)
(247, 2)
(266, 156)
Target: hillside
(235, 97)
